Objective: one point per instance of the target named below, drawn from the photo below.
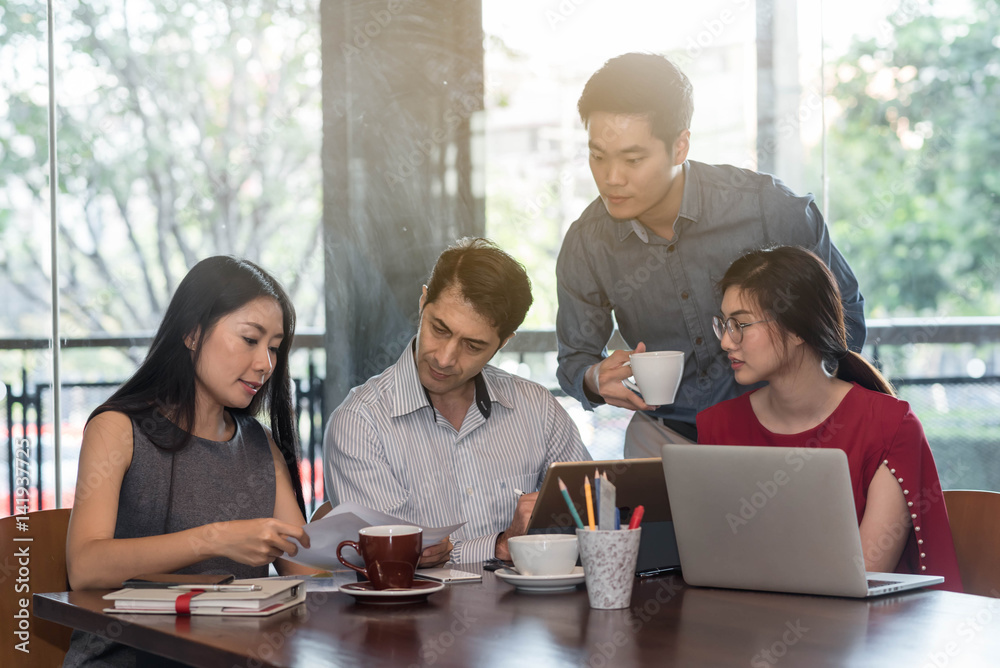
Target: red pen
(633, 523)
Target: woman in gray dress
(175, 473)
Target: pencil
(590, 502)
(569, 503)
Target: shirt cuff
(590, 398)
(475, 550)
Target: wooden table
(491, 624)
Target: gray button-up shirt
(388, 448)
(663, 293)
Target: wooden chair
(975, 526)
(321, 511)
(46, 570)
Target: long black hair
(165, 380)
(795, 289)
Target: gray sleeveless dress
(165, 492)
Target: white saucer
(363, 592)
(542, 583)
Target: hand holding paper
(342, 523)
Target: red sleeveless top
(872, 428)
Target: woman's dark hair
(643, 84)
(165, 380)
(492, 281)
(795, 289)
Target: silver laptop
(772, 519)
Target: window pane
(185, 130)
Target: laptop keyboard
(881, 583)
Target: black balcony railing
(960, 412)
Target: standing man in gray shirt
(651, 248)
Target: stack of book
(257, 597)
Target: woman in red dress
(782, 322)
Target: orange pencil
(590, 502)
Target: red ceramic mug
(390, 553)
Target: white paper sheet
(327, 583)
(342, 523)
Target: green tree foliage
(915, 161)
(185, 129)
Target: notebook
(273, 596)
(772, 519)
(637, 482)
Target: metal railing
(977, 437)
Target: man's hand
(436, 554)
(518, 525)
(605, 378)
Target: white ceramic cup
(544, 554)
(657, 374)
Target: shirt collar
(690, 209)
(691, 200)
(410, 395)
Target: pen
(590, 502)
(518, 492)
(569, 503)
(189, 587)
(618, 519)
(597, 496)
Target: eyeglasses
(733, 326)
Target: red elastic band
(182, 604)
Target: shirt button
(697, 341)
(468, 490)
(670, 248)
(684, 295)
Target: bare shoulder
(110, 433)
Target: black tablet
(637, 482)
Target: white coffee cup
(544, 554)
(657, 374)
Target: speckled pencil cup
(609, 565)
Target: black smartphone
(494, 564)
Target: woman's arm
(287, 510)
(885, 526)
(96, 559)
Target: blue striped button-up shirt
(388, 448)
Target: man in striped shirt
(441, 437)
